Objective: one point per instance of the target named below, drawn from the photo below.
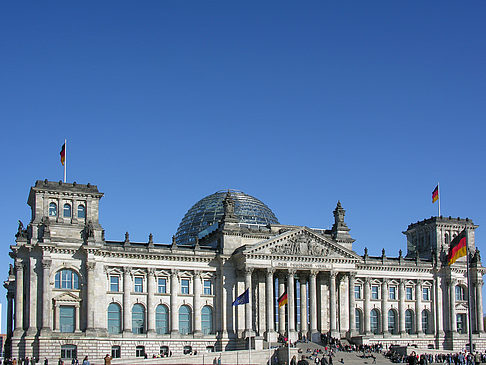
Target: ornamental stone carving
(301, 245)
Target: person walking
(86, 361)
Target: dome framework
(209, 211)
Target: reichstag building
(71, 292)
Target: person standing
(86, 361)
(107, 359)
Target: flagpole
(65, 159)
(469, 324)
(438, 192)
(288, 323)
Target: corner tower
(63, 212)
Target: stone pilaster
(10, 299)
(479, 305)
(32, 311)
(19, 298)
(46, 298)
(418, 308)
(384, 307)
(197, 303)
(401, 307)
(90, 308)
(174, 310)
(150, 301)
(452, 306)
(367, 306)
(127, 325)
(352, 305)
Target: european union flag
(243, 298)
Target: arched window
(67, 211)
(460, 293)
(446, 238)
(81, 211)
(374, 321)
(461, 322)
(66, 279)
(52, 210)
(185, 320)
(114, 318)
(207, 320)
(409, 321)
(392, 321)
(138, 319)
(162, 319)
(425, 321)
(357, 318)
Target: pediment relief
(302, 242)
(162, 273)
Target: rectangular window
(114, 283)
(66, 318)
(162, 286)
(357, 292)
(138, 284)
(207, 287)
(409, 294)
(425, 294)
(185, 286)
(374, 292)
(115, 352)
(140, 351)
(393, 293)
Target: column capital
(420, 282)
(46, 264)
(480, 282)
(385, 281)
(174, 272)
(19, 264)
(453, 282)
(270, 271)
(91, 265)
(333, 274)
(127, 270)
(151, 271)
(313, 273)
(291, 273)
(352, 275)
(197, 273)
(248, 270)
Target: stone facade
(69, 289)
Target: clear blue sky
(297, 103)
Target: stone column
(437, 305)
(452, 306)
(10, 298)
(150, 301)
(418, 308)
(174, 310)
(281, 310)
(46, 298)
(90, 307)
(384, 307)
(367, 306)
(33, 300)
(352, 305)
(127, 324)
(271, 336)
(479, 306)
(77, 320)
(303, 305)
(19, 297)
(291, 305)
(248, 307)
(332, 303)
(401, 307)
(315, 336)
(197, 303)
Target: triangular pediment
(302, 242)
(67, 297)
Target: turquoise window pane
(185, 320)
(66, 318)
(138, 319)
(162, 319)
(207, 320)
(114, 318)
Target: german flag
(435, 194)
(63, 153)
(283, 299)
(458, 247)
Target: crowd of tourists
(458, 358)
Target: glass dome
(208, 211)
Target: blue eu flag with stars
(242, 299)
